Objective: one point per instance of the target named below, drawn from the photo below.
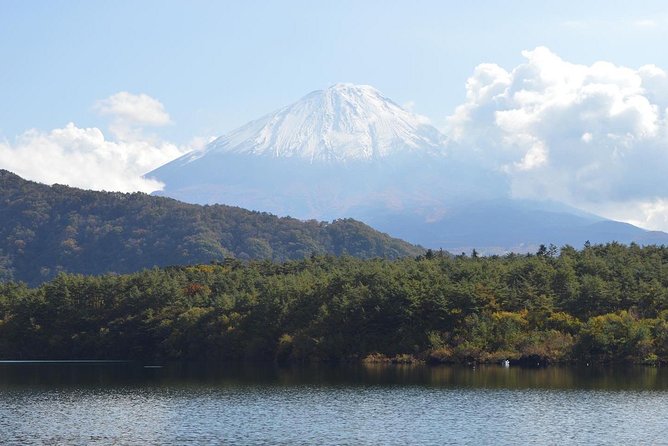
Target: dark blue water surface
(127, 403)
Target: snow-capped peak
(341, 123)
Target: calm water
(94, 403)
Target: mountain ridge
(49, 229)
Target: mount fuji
(348, 151)
(343, 123)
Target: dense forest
(46, 230)
(602, 303)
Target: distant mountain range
(348, 151)
(49, 229)
(504, 225)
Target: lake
(183, 404)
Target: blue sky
(95, 94)
(215, 65)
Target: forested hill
(605, 303)
(48, 229)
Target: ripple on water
(321, 409)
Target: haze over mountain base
(347, 151)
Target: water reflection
(192, 403)
(206, 374)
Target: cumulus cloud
(86, 158)
(594, 136)
(83, 157)
(132, 112)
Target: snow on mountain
(345, 122)
(347, 151)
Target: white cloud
(82, 157)
(131, 112)
(645, 23)
(575, 24)
(410, 107)
(651, 213)
(626, 24)
(592, 136)
(137, 108)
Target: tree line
(603, 303)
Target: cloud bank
(84, 157)
(130, 113)
(593, 136)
